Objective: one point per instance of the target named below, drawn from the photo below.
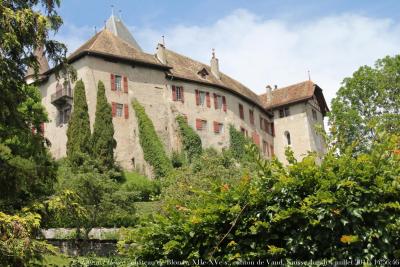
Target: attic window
(203, 73)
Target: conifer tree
(79, 127)
(103, 142)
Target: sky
(258, 42)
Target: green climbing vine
(191, 141)
(153, 149)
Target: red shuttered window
(241, 112)
(208, 100)
(177, 93)
(251, 115)
(126, 111)
(125, 84)
(215, 101)
(198, 124)
(216, 127)
(197, 97)
(113, 109)
(256, 139)
(224, 103)
(173, 93)
(112, 79)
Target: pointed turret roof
(42, 60)
(115, 25)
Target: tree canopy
(102, 140)
(368, 100)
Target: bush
(144, 188)
(345, 208)
(191, 141)
(153, 149)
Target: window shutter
(208, 99)
(182, 95)
(126, 109)
(241, 112)
(224, 103)
(197, 97)
(272, 150)
(216, 127)
(114, 109)
(256, 138)
(125, 84)
(215, 101)
(272, 129)
(173, 93)
(198, 124)
(112, 82)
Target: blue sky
(257, 42)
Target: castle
(168, 84)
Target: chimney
(43, 66)
(215, 65)
(161, 55)
(269, 94)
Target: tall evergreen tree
(103, 142)
(79, 127)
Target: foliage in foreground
(153, 149)
(345, 208)
(88, 198)
(18, 247)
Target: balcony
(62, 96)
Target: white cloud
(258, 52)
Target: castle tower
(115, 25)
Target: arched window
(288, 141)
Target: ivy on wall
(153, 149)
(238, 142)
(191, 141)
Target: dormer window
(203, 73)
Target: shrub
(102, 140)
(191, 141)
(238, 142)
(345, 208)
(144, 188)
(153, 149)
(78, 132)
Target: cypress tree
(103, 142)
(78, 132)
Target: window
(177, 93)
(65, 115)
(314, 114)
(217, 101)
(203, 98)
(119, 107)
(218, 127)
(241, 112)
(256, 139)
(118, 82)
(284, 112)
(265, 148)
(201, 124)
(261, 123)
(251, 115)
(288, 141)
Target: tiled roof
(107, 44)
(293, 94)
(186, 68)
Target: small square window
(287, 112)
(119, 110)
(281, 113)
